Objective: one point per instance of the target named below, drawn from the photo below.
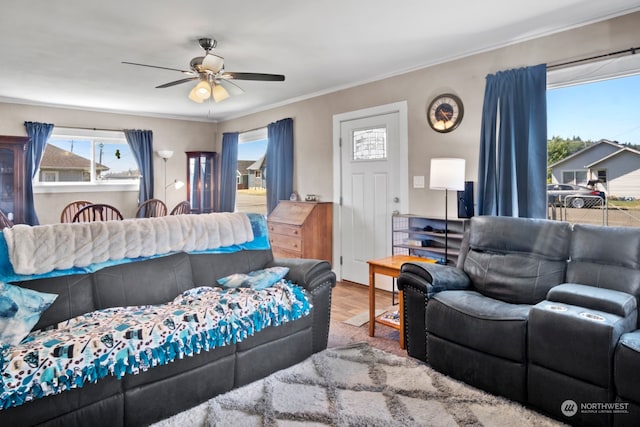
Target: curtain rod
(630, 51)
(85, 128)
(251, 130)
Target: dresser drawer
(287, 230)
(288, 243)
(283, 253)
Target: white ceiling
(69, 53)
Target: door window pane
(370, 144)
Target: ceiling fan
(213, 80)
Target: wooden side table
(389, 266)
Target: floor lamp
(164, 155)
(446, 174)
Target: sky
(608, 109)
(252, 150)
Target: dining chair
(5, 221)
(71, 209)
(151, 208)
(97, 212)
(181, 208)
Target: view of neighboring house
(243, 173)
(251, 174)
(256, 174)
(59, 165)
(615, 166)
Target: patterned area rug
(358, 385)
(362, 318)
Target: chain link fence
(580, 209)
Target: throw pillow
(20, 310)
(258, 279)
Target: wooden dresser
(301, 230)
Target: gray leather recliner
(476, 322)
(539, 311)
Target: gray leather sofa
(165, 390)
(542, 312)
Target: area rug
(358, 385)
(362, 318)
(386, 338)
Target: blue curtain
(141, 143)
(512, 168)
(39, 134)
(228, 172)
(279, 171)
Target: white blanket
(44, 248)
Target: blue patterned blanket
(127, 340)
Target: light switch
(418, 182)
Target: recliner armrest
(307, 273)
(432, 278)
(601, 299)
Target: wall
(313, 169)
(168, 134)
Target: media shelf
(425, 236)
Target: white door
(370, 157)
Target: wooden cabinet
(12, 177)
(424, 237)
(301, 230)
(201, 181)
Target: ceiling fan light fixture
(213, 63)
(193, 95)
(219, 93)
(203, 89)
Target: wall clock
(445, 112)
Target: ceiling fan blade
(230, 86)
(213, 63)
(254, 76)
(177, 82)
(156, 66)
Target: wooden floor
(349, 299)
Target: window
(251, 195)
(575, 177)
(49, 176)
(370, 144)
(87, 160)
(602, 175)
(594, 136)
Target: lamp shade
(447, 174)
(177, 184)
(165, 154)
(203, 90)
(219, 93)
(193, 95)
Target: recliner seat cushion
(517, 260)
(470, 319)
